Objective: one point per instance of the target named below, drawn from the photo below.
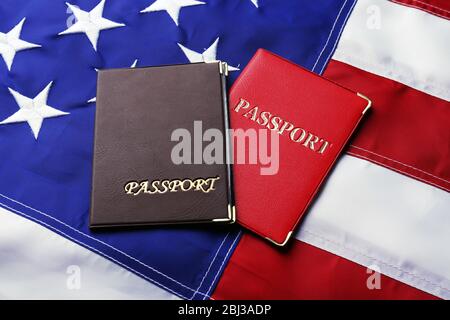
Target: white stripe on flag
(375, 216)
(400, 43)
(36, 263)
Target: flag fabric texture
(384, 209)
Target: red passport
(310, 119)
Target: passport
(142, 117)
(312, 119)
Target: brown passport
(148, 165)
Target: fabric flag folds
(379, 229)
(45, 159)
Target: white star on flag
(10, 44)
(134, 64)
(255, 2)
(94, 99)
(209, 55)
(33, 111)
(90, 23)
(172, 7)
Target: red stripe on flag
(407, 130)
(258, 270)
(440, 8)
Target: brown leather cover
(137, 111)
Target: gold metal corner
(223, 68)
(282, 244)
(231, 215)
(369, 102)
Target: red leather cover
(319, 110)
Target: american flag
(380, 226)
